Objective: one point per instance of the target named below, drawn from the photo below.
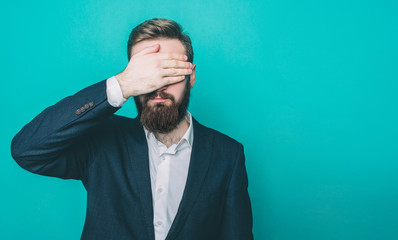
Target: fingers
(175, 64)
(147, 50)
(172, 80)
(171, 72)
(175, 56)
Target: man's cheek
(143, 99)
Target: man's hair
(157, 28)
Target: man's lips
(158, 99)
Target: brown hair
(160, 28)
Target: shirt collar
(188, 136)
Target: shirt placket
(161, 217)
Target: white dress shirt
(168, 168)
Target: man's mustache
(160, 94)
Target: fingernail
(185, 57)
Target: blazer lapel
(140, 174)
(199, 164)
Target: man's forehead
(166, 45)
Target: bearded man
(159, 176)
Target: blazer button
(86, 106)
(78, 111)
(91, 104)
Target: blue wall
(309, 87)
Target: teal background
(309, 87)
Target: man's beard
(161, 118)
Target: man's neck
(175, 135)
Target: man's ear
(192, 76)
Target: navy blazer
(81, 138)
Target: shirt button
(158, 224)
(160, 190)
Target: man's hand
(149, 70)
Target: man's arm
(237, 221)
(57, 141)
(53, 143)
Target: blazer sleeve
(237, 221)
(55, 142)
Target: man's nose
(161, 89)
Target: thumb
(147, 50)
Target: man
(159, 176)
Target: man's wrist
(119, 78)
